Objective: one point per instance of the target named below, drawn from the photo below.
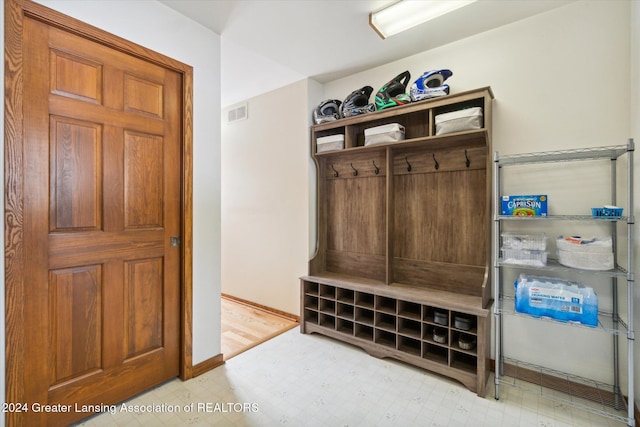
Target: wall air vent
(237, 113)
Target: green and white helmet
(393, 93)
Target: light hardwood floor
(245, 326)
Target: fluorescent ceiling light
(405, 14)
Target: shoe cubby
(345, 326)
(327, 306)
(385, 305)
(364, 316)
(427, 335)
(345, 311)
(410, 345)
(327, 321)
(410, 328)
(364, 300)
(385, 338)
(346, 296)
(364, 332)
(410, 310)
(385, 321)
(435, 353)
(327, 291)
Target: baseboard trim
(584, 390)
(207, 365)
(270, 310)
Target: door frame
(15, 334)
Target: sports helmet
(430, 85)
(327, 111)
(358, 102)
(393, 92)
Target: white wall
(157, 27)
(561, 80)
(265, 194)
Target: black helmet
(327, 111)
(358, 102)
(393, 92)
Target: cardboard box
(530, 205)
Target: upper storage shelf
(418, 119)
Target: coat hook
(468, 162)
(437, 165)
(408, 164)
(335, 171)
(377, 171)
(355, 171)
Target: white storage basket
(458, 121)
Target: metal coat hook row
(468, 162)
(406, 159)
(335, 172)
(436, 165)
(377, 171)
(355, 171)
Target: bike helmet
(327, 111)
(393, 93)
(430, 85)
(358, 102)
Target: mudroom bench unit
(402, 264)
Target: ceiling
(266, 44)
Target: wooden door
(102, 156)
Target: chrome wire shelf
(593, 396)
(596, 153)
(563, 218)
(554, 266)
(606, 322)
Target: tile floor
(309, 380)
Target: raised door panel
(143, 96)
(76, 77)
(76, 175)
(75, 311)
(143, 306)
(143, 180)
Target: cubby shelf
(388, 326)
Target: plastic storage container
(530, 242)
(458, 121)
(607, 212)
(555, 298)
(585, 253)
(524, 257)
(392, 132)
(330, 143)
